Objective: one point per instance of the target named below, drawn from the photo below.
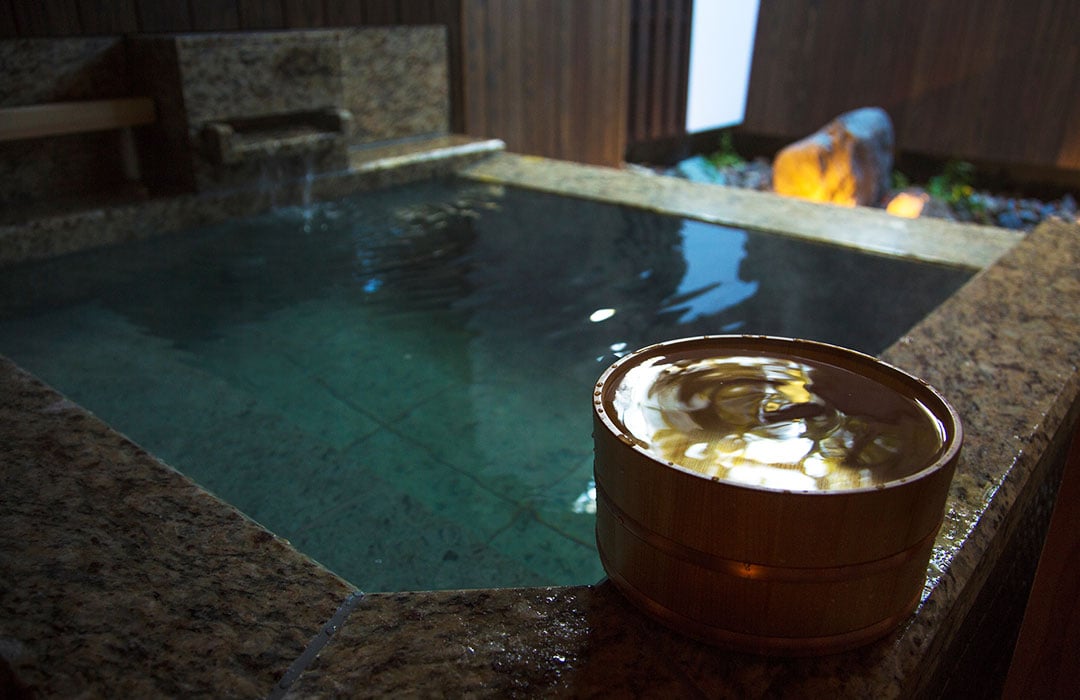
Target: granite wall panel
(252, 109)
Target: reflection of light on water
(601, 315)
(711, 282)
(955, 530)
(586, 502)
(773, 422)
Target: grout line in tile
(315, 646)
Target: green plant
(954, 184)
(726, 156)
(955, 187)
(900, 181)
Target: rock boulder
(848, 161)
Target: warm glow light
(810, 175)
(907, 205)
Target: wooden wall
(995, 81)
(548, 77)
(38, 18)
(659, 68)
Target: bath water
(400, 382)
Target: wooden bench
(58, 118)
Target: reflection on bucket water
(774, 422)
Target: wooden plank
(1046, 661)
(416, 12)
(448, 13)
(303, 14)
(496, 117)
(537, 72)
(677, 70)
(548, 76)
(344, 13)
(639, 75)
(618, 37)
(214, 15)
(1037, 81)
(8, 28)
(42, 18)
(511, 77)
(54, 119)
(473, 60)
(108, 16)
(660, 40)
(163, 16)
(683, 57)
(260, 14)
(776, 59)
(565, 43)
(381, 12)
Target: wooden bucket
(775, 567)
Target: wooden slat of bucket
(757, 525)
(851, 607)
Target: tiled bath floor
(289, 437)
(400, 384)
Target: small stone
(1068, 205)
(1008, 218)
(699, 169)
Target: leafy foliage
(955, 187)
(726, 156)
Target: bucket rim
(794, 348)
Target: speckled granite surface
(268, 90)
(396, 82)
(391, 82)
(123, 578)
(934, 240)
(85, 508)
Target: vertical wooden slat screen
(108, 16)
(549, 77)
(302, 14)
(381, 11)
(257, 14)
(44, 17)
(60, 18)
(343, 14)
(158, 16)
(995, 81)
(213, 15)
(660, 68)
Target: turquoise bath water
(399, 383)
